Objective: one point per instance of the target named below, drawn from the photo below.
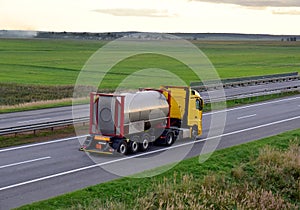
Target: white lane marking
(42, 143)
(67, 139)
(36, 120)
(24, 162)
(247, 116)
(143, 154)
(252, 105)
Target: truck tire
(123, 148)
(170, 138)
(144, 145)
(134, 147)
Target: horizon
(232, 33)
(276, 17)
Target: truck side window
(198, 104)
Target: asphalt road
(41, 116)
(65, 113)
(252, 89)
(39, 171)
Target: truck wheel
(194, 132)
(145, 142)
(170, 139)
(134, 146)
(123, 148)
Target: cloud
(257, 3)
(286, 12)
(136, 12)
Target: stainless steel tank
(150, 106)
(145, 105)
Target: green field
(263, 174)
(31, 69)
(45, 62)
(240, 59)
(57, 62)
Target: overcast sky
(227, 16)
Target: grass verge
(17, 96)
(263, 174)
(36, 105)
(42, 105)
(38, 136)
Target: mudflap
(92, 145)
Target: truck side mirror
(199, 104)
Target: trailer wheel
(134, 146)
(170, 138)
(123, 148)
(194, 132)
(145, 142)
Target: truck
(132, 122)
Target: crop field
(57, 62)
(240, 59)
(44, 62)
(29, 66)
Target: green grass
(18, 94)
(265, 172)
(58, 62)
(248, 58)
(13, 94)
(38, 136)
(38, 105)
(43, 61)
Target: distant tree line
(290, 39)
(187, 36)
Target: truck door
(195, 112)
(199, 107)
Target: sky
(190, 16)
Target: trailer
(132, 122)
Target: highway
(39, 171)
(41, 116)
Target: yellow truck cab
(185, 108)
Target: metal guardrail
(236, 82)
(40, 126)
(253, 94)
